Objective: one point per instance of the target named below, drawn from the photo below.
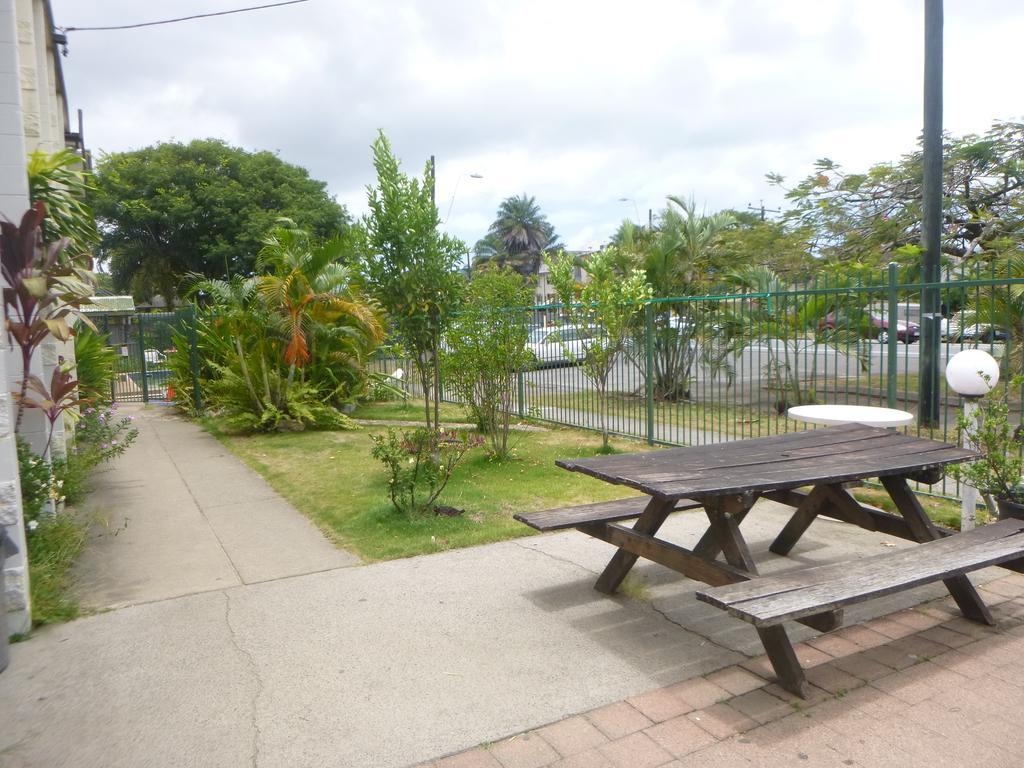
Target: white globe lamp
(972, 373)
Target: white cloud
(578, 103)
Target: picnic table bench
(727, 479)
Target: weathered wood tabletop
(833, 455)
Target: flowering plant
(104, 434)
(38, 485)
(419, 464)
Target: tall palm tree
(521, 234)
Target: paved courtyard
(229, 632)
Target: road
(820, 362)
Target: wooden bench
(766, 602)
(601, 512)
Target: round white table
(850, 414)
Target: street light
(971, 373)
(456, 191)
(636, 210)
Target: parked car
(559, 345)
(874, 323)
(976, 332)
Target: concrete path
(243, 643)
(178, 514)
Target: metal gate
(144, 342)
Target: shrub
(94, 365)
(419, 464)
(37, 484)
(487, 350)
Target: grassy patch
(52, 550)
(943, 511)
(331, 478)
(410, 410)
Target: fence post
(520, 394)
(649, 368)
(142, 359)
(891, 374)
(193, 358)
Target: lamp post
(636, 210)
(971, 373)
(456, 191)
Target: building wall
(33, 115)
(13, 201)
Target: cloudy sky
(579, 103)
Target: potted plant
(998, 473)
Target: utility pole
(762, 209)
(433, 182)
(931, 224)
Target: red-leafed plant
(42, 296)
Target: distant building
(544, 292)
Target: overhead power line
(183, 18)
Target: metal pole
(649, 368)
(890, 354)
(142, 361)
(968, 493)
(193, 358)
(931, 225)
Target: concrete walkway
(177, 514)
(246, 639)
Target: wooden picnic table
(726, 479)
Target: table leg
(800, 521)
(708, 545)
(923, 529)
(724, 514)
(783, 658)
(622, 561)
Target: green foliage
(609, 303)
(419, 464)
(203, 208)
(62, 183)
(679, 256)
(283, 350)
(38, 485)
(518, 237)
(786, 323)
(181, 380)
(53, 547)
(486, 351)
(94, 365)
(1000, 472)
(410, 268)
(869, 216)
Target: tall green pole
(931, 225)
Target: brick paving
(921, 687)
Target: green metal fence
(143, 341)
(705, 369)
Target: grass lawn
(331, 477)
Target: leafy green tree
(607, 305)
(60, 181)
(870, 215)
(410, 268)
(676, 256)
(203, 208)
(487, 350)
(518, 237)
(784, 249)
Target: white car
(559, 345)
